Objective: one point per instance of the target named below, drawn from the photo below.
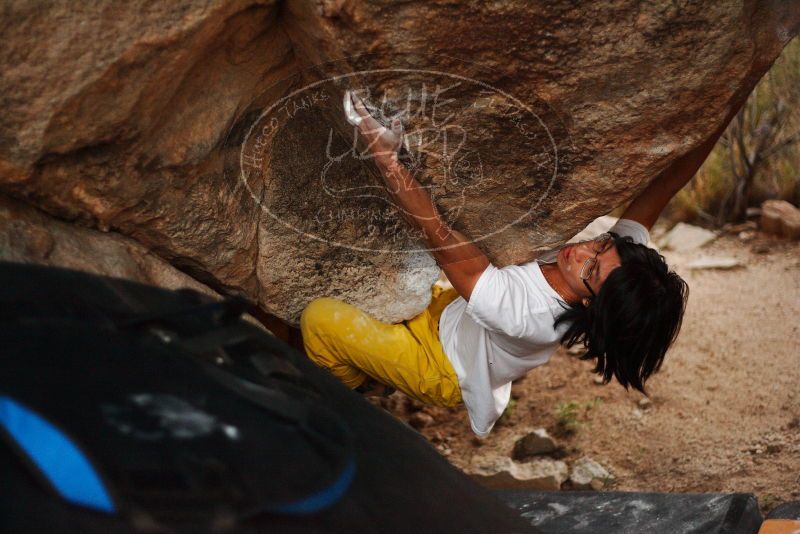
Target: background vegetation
(758, 156)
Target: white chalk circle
(252, 160)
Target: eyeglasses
(600, 244)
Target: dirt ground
(724, 414)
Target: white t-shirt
(505, 330)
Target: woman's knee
(317, 313)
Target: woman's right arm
(462, 261)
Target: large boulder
(29, 236)
(212, 133)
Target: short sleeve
(500, 300)
(632, 229)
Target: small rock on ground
(714, 263)
(535, 443)
(420, 420)
(504, 473)
(588, 474)
(685, 237)
(780, 218)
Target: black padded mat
(584, 512)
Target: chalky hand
(381, 141)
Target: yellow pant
(409, 356)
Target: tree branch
(794, 138)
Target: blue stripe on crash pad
(322, 499)
(58, 458)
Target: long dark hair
(634, 318)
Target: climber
(613, 295)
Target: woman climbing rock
(613, 294)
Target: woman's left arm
(649, 204)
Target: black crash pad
(402, 484)
(787, 510)
(633, 512)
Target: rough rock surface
(29, 236)
(156, 120)
(503, 473)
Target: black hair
(634, 318)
